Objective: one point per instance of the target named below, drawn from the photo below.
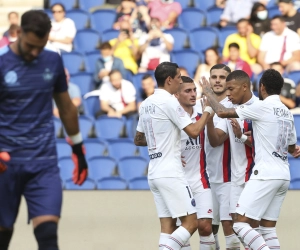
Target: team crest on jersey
(47, 75)
(180, 111)
(11, 78)
(193, 202)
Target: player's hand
(4, 157)
(296, 153)
(81, 168)
(236, 127)
(205, 85)
(183, 161)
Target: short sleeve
(70, 29)
(252, 112)
(222, 124)
(177, 114)
(256, 41)
(128, 92)
(230, 39)
(295, 42)
(169, 38)
(139, 125)
(177, 8)
(143, 39)
(293, 138)
(264, 43)
(104, 92)
(60, 84)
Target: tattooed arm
(140, 139)
(219, 109)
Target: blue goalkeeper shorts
(41, 186)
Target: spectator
(12, 35)
(124, 11)
(148, 86)
(106, 63)
(125, 47)
(248, 43)
(184, 71)
(13, 18)
(155, 47)
(166, 11)
(287, 95)
(290, 15)
(280, 45)
(220, 4)
(234, 61)
(259, 19)
(117, 96)
(63, 29)
(74, 93)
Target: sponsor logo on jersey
(238, 205)
(193, 143)
(193, 202)
(279, 156)
(11, 78)
(155, 155)
(48, 76)
(209, 211)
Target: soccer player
(30, 76)
(161, 118)
(218, 161)
(274, 136)
(192, 151)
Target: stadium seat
(90, 59)
(73, 61)
(273, 11)
(101, 167)
(57, 126)
(103, 19)
(95, 147)
(48, 12)
(203, 38)
(184, 3)
(295, 76)
(66, 166)
(132, 167)
(204, 4)
(86, 40)
(63, 149)
(143, 152)
(69, 4)
(294, 168)
(295, 185)
(140, 183)
(129, 75)
(81, 18)
(224, 33)
(86, 125)
(297, 125)
(109, 127)
(88, 4)
(109, 34)
(271, 3)
(180, 37)
(91, 105)
(130, 125)
(84, 81)
(186, 58)
(213, 16)
(89, 184)
(119, 148)
(112, 183)
(137, 80)
(191, 18)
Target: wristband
(243, 138)
(208, 109)
(76, 139)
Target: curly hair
(273, 81)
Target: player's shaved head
(239, 77)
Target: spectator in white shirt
(117, 96)
(280, 45)
(63, 29)
(155, 47)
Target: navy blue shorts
(41, 186)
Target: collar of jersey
(162, 91)
(272, 97)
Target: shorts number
(147, 122)
(284, 136)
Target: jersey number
(147, 122)
(284, 135)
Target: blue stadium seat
(66, 166)
(110, 34)
(88, 4)
(95, 147)
(213, 16)
(86, 40)
(112, 183)
(103, 20)
(224, 33)
(131, 123)
(69, 4)
(57, 126)
(101, 167)
(81, 18)
(143, 152)
(91, 106)
(109, 127)
(48, 12)
(294, 168)
(119, 148)
(295, 76)
(63, 149)
(132, 167)
(257, 79)
(89, 184)
(86, 125)
(84, 81)
(73, 61)
(271, 3)
(137, 80)
(180, 37)
(203, 38)
(186, 58)
(184, 3)
(90, 60)
(140, 183)
(204, 4)
(191, 18)
(297, 125)
(295, 185)
(273, 11)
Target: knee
(46, 235)
(204, 228)
(190, 223)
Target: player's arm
(294, 150)
(215, 136)
(245, 138)
(193, 130)
(140, 139)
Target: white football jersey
(161, 120)
(273, 131)
(218, 159)
(242, 161)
